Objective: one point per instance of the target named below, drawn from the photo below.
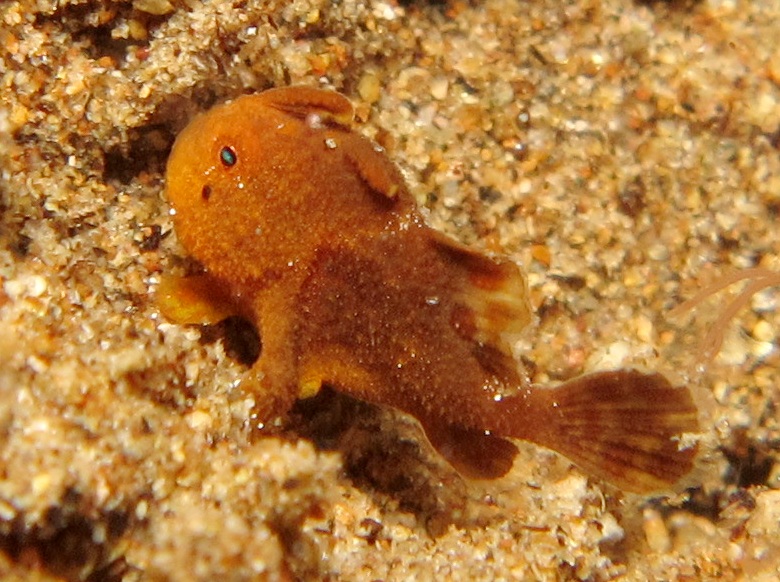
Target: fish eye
(228, 157)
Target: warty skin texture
(307, 229)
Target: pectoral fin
(335, 366)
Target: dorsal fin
(374, 167)
(494, 295)
(306, 103)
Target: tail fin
(622, 426)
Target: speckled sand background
(624, 151)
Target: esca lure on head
(307, 229)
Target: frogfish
(308, 230)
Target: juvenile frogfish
(307, 229)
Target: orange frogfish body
(307, 229)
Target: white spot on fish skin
(432, 300)
(331, 144)
(314, 121)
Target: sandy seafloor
(624, 152)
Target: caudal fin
(623, 426)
